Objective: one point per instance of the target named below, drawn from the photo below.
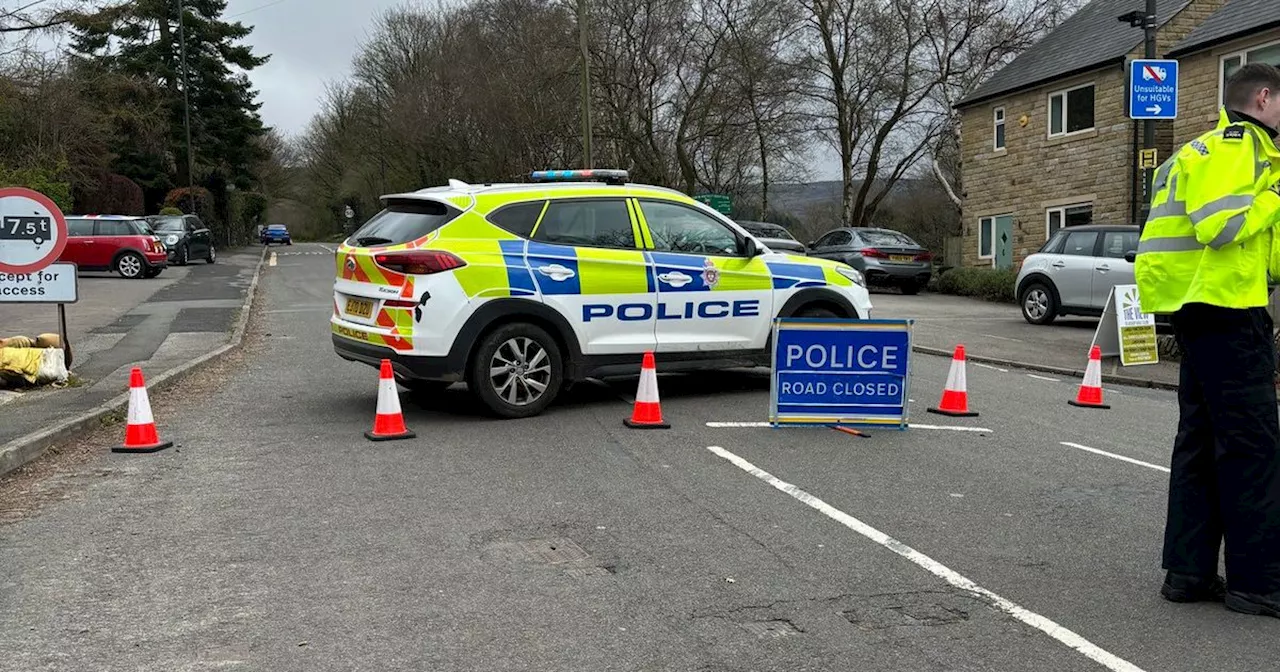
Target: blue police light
(607, 175)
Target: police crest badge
(710, 274)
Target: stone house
(1047, 141)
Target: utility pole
(586, 85)
(186, 103)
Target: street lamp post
(586, 85)
(186, 103)
(1147, 21)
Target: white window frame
(1062, 213)
(1048, 112)
(999, 121)
(990, 221)
(1242, 54)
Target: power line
(250, 11)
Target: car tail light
(418, 262)
(924, 256)
(874, 253)
(399, 303)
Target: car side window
(1054, 245)
(110, 227)
(1080, 243)
(589, 223)
(79, 228)
(834, 239)
(676, 228)
(1116, 243)
(519, 218)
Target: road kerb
(1065, 372)
(24, 449)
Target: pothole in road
(557, 552)
(923, 609)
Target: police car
(521, 289)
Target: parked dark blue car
(276, 233)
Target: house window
(1266, 53)
(998, 128)
(986, 234)
(1071, 111)
(1067, 217)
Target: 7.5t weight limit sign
(33, 231)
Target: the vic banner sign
(840, 372)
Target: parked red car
(126, 245)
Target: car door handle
(675, 279)
(1103, 269)
(1059, 264)
(557, 272)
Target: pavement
(273, 536)
(997, 334)
(157, 324)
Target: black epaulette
(1234, 132)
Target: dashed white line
(272, 260)
(1052, 380)
(326, 248)
(993, 368)
(1122, 458)
(747, 425)
(1041, 623)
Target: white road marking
(993, 368)
(327, 248)
(272, 260)
(1041, 623)
(1003, 338)
(748, 425)
(1052, 380)
(1122, 458)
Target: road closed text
(852, 388)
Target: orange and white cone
(647, 413)
(1090, 394)
(388, 424)
(955, 396)
(140, 435)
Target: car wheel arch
(818, 297)
(1038, 278)
(497, 313)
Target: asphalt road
(275, 537)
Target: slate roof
(1087, 40)
(1237, 18)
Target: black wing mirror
(751, 248)
(1130, 256)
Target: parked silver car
(1075, 271)
(774, 236)
(886, 257)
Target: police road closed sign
(33, 231)
(840, 372)
(55, 283)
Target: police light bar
(610, 176)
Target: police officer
(1204, 257)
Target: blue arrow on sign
(1153, 89)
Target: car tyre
(517, 371)
(131, 265)
(816, 312)
(152, 272)
(1038, 303)
(213, 254)
(184, 256)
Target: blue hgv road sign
(840, 372)
(1153, 89)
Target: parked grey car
(186, 238)
(774, 236)
(886, 257)
(1075, 271)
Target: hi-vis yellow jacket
(1214, 212)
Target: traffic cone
(955, 396)
(388, 424)
(1090, 394)
(647, 413)
(140, 434)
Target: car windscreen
(168, 224)
(144, 227)
(886, 239)
(403, 221)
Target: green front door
(1004, 242)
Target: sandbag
(35, 366)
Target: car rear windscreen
(403, 221)
(886, 239)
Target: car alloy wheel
(213, 254)
(520, 371)
(129, 266)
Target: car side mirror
(1130, 256)
(751, 248)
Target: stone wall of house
(1200, 92)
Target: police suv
(520, 289)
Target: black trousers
(1225, 480)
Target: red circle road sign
(33, 231)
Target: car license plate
(901, 257)
(360, 308)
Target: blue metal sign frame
(1153, 89)
(825, 392)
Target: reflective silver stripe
(1162, 176)
(1221, 205)
(1176, 244)
(1167, 209)
(1229, 231)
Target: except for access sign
(55, 283)
(840, 372)
(1153, 89)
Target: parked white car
(1075, 271)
